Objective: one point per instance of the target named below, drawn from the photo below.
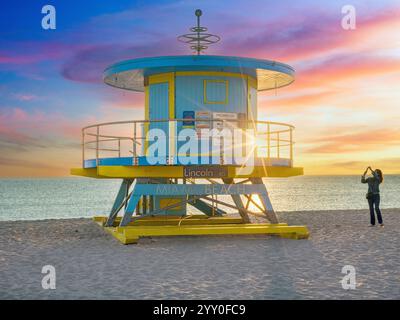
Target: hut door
(161, 107)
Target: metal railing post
(221, 144)
(119, 147)
(269, 140)
(221, 149)
(134, 139)
(83, 148)
(291, 146)
(278, 144)
(97, 145)
(255, 135)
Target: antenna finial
(199, 40)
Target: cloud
(28, 52)
(88, 65)
(25, 96)
(299, 37)
(296, 102)
(6, 58)
(35, 60)
(339, 70)
(10, 134)
(333, 68)
(13, 162)
(377, 139)
(334, 82)
(35, 129)
(389, 165)
(338, 96)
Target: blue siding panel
(159, 107)
(189, 92)
(215, 91)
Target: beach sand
(90, 264)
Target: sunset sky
(344, 102)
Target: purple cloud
(87, 65)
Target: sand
(90, 264)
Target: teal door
(159, 110)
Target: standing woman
(373, 195)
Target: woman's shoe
(371, 225)
(382, 225)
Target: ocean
(55, 198)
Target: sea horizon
(76, 197)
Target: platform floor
(198, 226)
(177, 171)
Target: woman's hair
(380, 174)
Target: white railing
(274, 140)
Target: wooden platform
(198, 225)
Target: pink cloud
(11, 135)
(329, 81)
(356, 141)
(342, 68)
(37, 128)
(299, 37)
(298, 102)
(88, 64)
(25, 97)
(29, 52)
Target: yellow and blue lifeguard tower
(188, 185)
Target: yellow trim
(161, 77)
(177, 172)
(172, 125)
(132, 233)
(146, 103)
(146, 114)
(251, 83)
(211, 74)
(88, 172)
(226, 101)
(165, 202)
(172, 220)
(248, 100)
(141, 171)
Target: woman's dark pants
(374, 202)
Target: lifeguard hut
(175, 179)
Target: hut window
(216, 91)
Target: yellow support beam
(176, 220)
(177, 172)
(89, 172)
(131, 234)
